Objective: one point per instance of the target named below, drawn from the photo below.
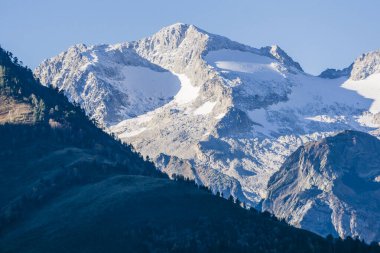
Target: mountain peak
(172, 36)
(364, 66)
(279, 54)
(178, 28)
(276, 49)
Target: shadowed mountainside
(333, 176)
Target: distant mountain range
(225, 114)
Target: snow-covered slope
(111, 83)
(222, 113)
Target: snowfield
(368, 88)
(188, 92)
(149, 83)
(235, 63)
(204, 109)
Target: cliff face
(331, 185)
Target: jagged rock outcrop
(332, 186)
(336, 73)
(364, 66)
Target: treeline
(57, 120)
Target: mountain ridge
(232, 114)
(83, 191)
(335, 174)
(363, 66)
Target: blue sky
(316, 33)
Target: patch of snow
(143, 118)
(260, 117)
(326, 118)
(132, 133)
(368, 88)
(219, 116)
(95, 58)
(188, 92)
(243, 62)
(148, 82)
(204, 109)
(136, 121)
(113, 47)
(368, 119)
(314, 99)
(226, 56)
(321, 91)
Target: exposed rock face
(366, 65)
(330, 185)
(336, 73)
(13, 111)
(214, 110)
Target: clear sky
(316, 33)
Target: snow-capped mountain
(214, 110)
